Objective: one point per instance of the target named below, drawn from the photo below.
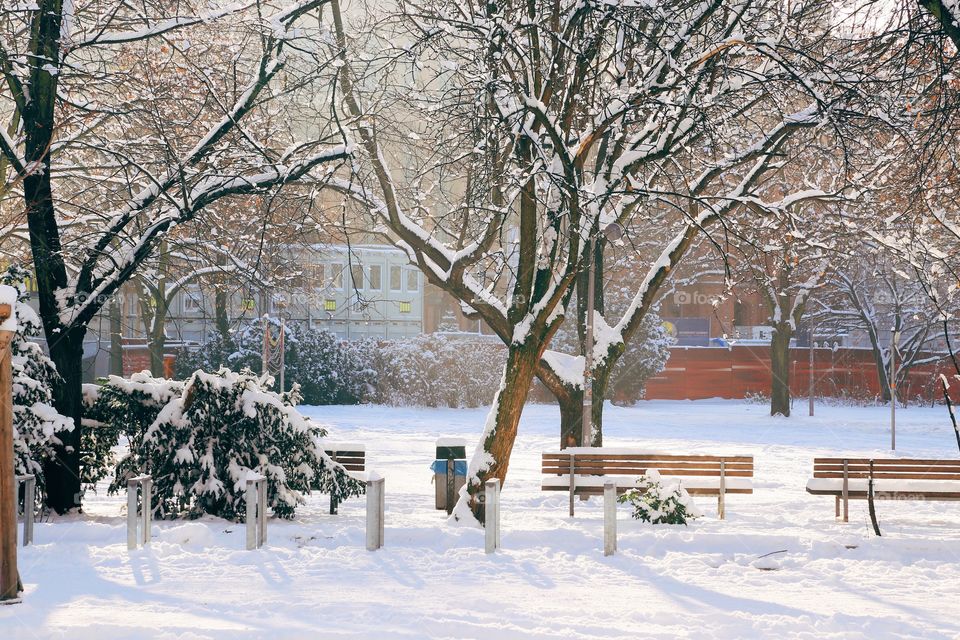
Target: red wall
(693, 373)
(136, 358)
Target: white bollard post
(262, 512)
(491, 509)
(375, 509)
(256, 501)
(145, 483)
(29, 499)
(131, 514)
(146, 490)
(609, 518)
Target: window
(413, 280)
(336, 276)
(374, 278)
(329, 305)
(318, 275)
(247, 304)
(191, 302)
(406, 307)
(395, 282)
(356, 275)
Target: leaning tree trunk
(62, 474)
(492, 457)
(780, 370)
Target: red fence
(693, 373)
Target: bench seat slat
(692, 485)
(642, 464)
(886, 461)
(646, 456)
(889, 475)
(639, 472)
(834, 486)
(886, 469)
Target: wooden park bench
(353, 457)
(893, 479)
(584, 470)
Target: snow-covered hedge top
(157, 392)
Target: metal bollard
(491, 509)
(29, 501)
(375, 508)
(609, 518)
(145, 483)
(256, 511)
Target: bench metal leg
(333, 500)
(837, 514)
(846, 493)
(721, 506)
(573, 484)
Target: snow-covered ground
(315, 579)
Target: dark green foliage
(660, 502)
(205, 441)
(328, 369)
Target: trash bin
(449, 471)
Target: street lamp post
(893, 389)
(812, 384)
(611, 232)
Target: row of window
(369, 278)
(192, 304)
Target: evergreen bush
(210, 433)
(660, 501)
(36, 423)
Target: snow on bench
(584, 470)
(893, 479)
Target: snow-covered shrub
(329, 370)
(36, 422)
(120, 409)
(660, 500)
(438, 370)
(204, 444)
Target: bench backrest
(351, 460)
(889, 468)
(626, 464)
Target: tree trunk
(601, 384)
(780, 370)
(62, 475)
(220, 318)
(571, 416)
(116, 337)
(883, 372)
(158, 339)
(492, 459)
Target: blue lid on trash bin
(459, 467)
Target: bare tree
(497, 152)
(108, 163)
